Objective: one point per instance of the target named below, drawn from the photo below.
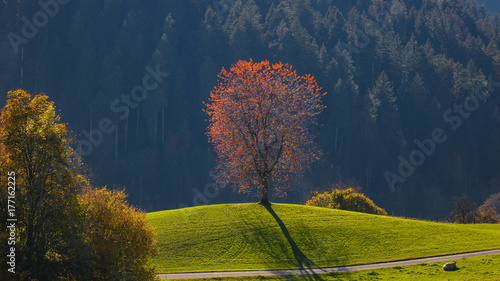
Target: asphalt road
(326, 270)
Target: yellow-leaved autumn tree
(49, 239)
(64, 229)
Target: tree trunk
(137, 127)
(163, 125)
(156, 125)
(265, 185)
(126, 132)
(116, 142)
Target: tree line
(391, 70)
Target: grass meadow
(250, 236)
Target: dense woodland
(490, 5)
(391, 70)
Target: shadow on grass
(305, 264)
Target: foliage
(489, 212)
(346, 199)
(260, 123)
(464, 211)
(33, 145)
(61, 233)
(229, 237)
(119, 236)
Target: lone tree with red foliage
(260, 124)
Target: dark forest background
(391, 70)
(492, 6)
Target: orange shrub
(489, 212)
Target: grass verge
(476, 268)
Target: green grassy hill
(284, 236)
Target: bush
(346, 199)
(119, 236)
(489, 212)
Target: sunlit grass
(251, 237)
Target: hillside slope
(249, 236)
